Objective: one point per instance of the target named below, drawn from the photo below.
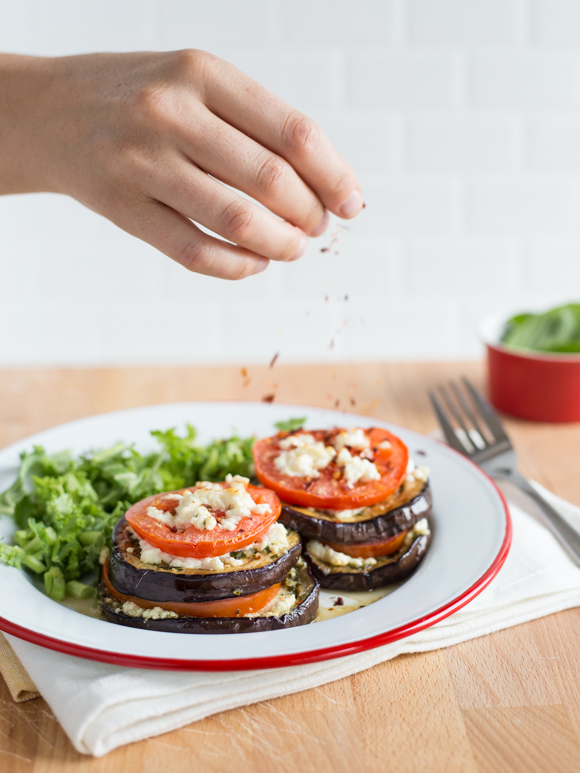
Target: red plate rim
(297, 659)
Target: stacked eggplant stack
(355, 497)
(260, 586)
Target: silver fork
(479, 434)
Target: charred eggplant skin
(303, 614)
(377, 578)
(377, 528)
(161, 586)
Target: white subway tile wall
(461, 118)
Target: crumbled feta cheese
(191, 512)
(422, 474)
(236, 479)
(334, 558)
(297, 441)
(152, 555)
(162, 516)
(195, 505)
(304, 461)
(276, 538)
(385, 445)
(354, 438)
(356, 469)
(345, 515)
(416, 473)
(157, 613)
(229, 560)
(422, 527)
(282, 605)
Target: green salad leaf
(556, 330)
(65, 507)
(290, 424)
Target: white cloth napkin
(102, 707)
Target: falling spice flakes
(352, 402)
(334, 240)
(247, 382)
(274, 358)
(269, 398)
(244, 372)
(337, 403)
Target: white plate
(471, 538)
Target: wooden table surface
(505, 702)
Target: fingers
(252, 109)
(241, 162)
(178, 238)
(188, 190)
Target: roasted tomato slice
(232, 607)
(375, 549)
(202, 543)
(329, 489)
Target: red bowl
(531, 385)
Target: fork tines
(468, 421)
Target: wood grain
(505, 702)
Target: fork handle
(567, 536)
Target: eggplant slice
(409, 504)
(130, 576)
(388, 570)
(300, 582)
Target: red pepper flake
(325, 249)
(336, 403)
(268, 398)
(338, 602)
(352, 402)
(244, 372)
(364, 206)
(274, 358)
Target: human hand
(145, 139)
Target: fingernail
(352, 205)
(261, 265)
(323, 225)
(301, 249)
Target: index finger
(242, 102)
